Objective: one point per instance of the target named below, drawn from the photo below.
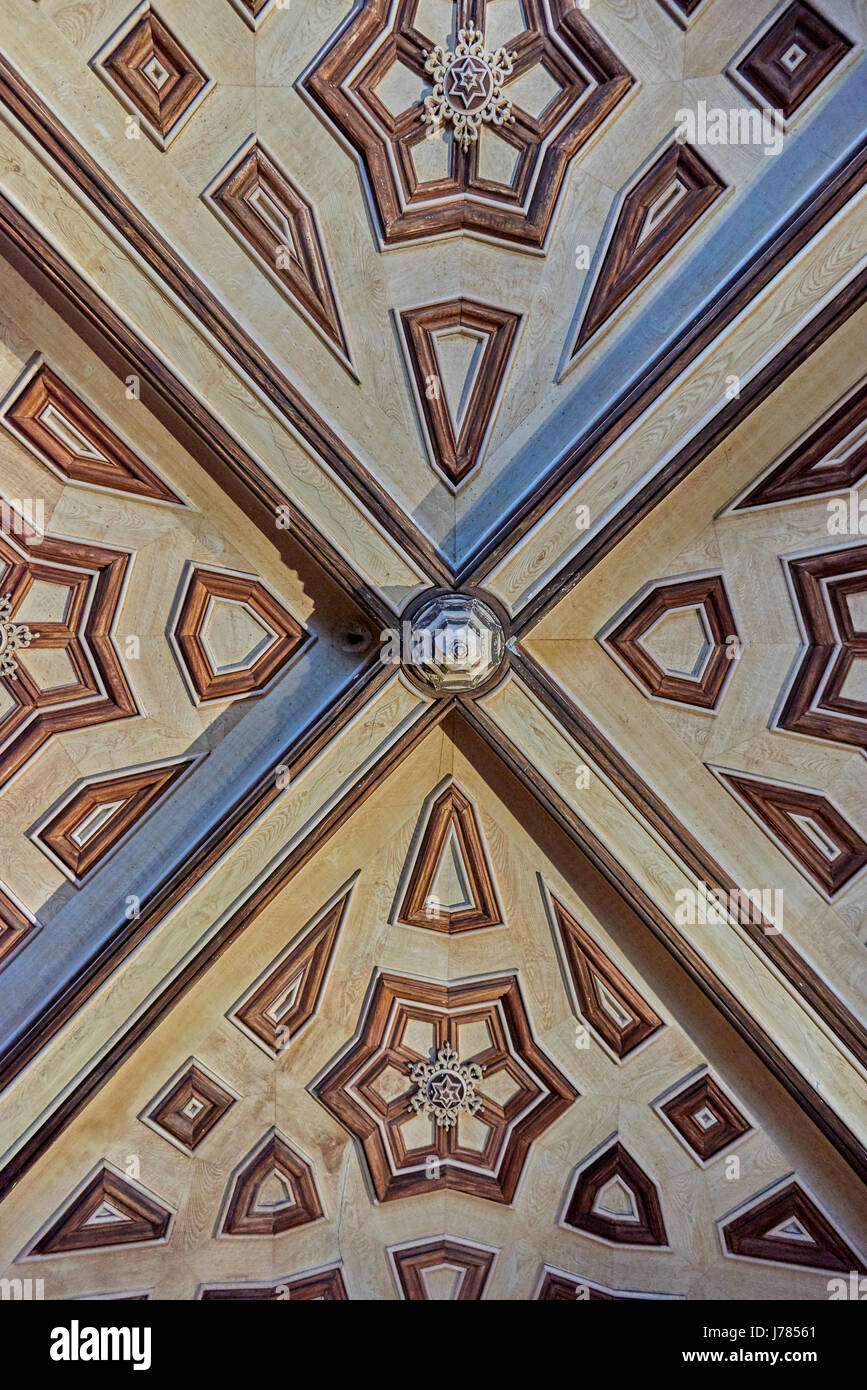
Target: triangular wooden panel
(831, 855)
(131, 795)
(787, 1227)
(456, 445)
(418, 1265)
(287, 996)
(62, 428)
(275, 222)
(274, 1191)
(607, 1001)
(110, 1210)
(832, 458)
(669, 198)
(451, 821)
(636, 1219)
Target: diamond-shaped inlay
(632, 641)
(706, 1119)
(409, 1021)
(794, 55)
(152, 72)
(188, 1110)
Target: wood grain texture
(816, 47)
(705, 1117)
(253, 1208)
(110, 1210)
(585, 1210)
(452, 813)
(755, 1234)
(41, 414)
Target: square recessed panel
(154, 74)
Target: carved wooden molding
(792, 57)
(810, 469)
(190, 1106)
(559, 1286)
(817, 703)
(656, 214)
(344, 88)
(614, 1199)
(109, 1210)
(98, 690)
(317, 1285)
(64, 431)
(94, 819)
(450, 827)
(456, 444)
(469, 1265)
(605, 999)
(808, 826)
(486, 1160)
(286, 996)
(153, 74)
(786, 1226)
(274, 1191)
(17, 926)
(277, 225)
(704, 1117)
(254, 12)
(702, 687)
(287, 636)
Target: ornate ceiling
(433, 634)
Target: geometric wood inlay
(674, 193)
(152, 72)
(613, 1198)
(606, 1000)
(16, 926)
(92, 581)
(71, 437)
(828, 591)
(701, 686)
(101, 812)
(274, 1191)
(406, 1021)
(788, 1228)
(110, 1210)
(276, 1007)
(442, 1270)
(826, 461)
(348, 84)
(325, 1285)
(705, 1117)
(556, 1286)
(816, 835)
(211, 592)
(254, 11)
(457, 421)
(793, 57)
(275, 222)
(191, 1107)
(450, 857)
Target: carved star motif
(13, 637)
(446, 1087)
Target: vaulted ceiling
(323, 980)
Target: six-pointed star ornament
(446, 1087)
(468, 86)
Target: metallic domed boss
(457, 643)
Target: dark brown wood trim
(658, 814)
(790, 357)
(840, 185)
(219, 453)
(43, 127)
(210, 850)
(729, 1006)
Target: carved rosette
(468, 86)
